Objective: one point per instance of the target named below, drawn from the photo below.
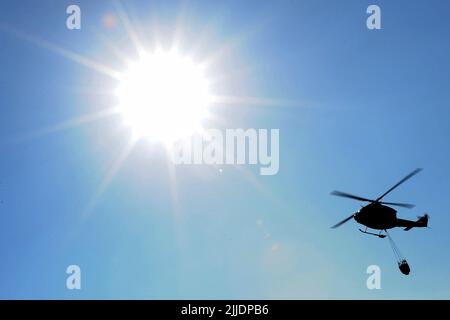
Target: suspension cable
(395, 249)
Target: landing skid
(379, 235)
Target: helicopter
(378, 215)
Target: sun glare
(163, 96)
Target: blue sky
(356, 109)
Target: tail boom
(422, 222)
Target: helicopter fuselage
(377, 216)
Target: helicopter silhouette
(378, 215)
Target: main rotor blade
(342, 222)
(351, 196)
(404, 205)
(399, 183)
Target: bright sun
(163, 96)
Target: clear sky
(357, 110)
